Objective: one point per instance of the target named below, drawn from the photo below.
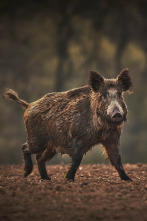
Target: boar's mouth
(114, 119)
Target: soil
(96, 194)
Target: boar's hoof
(45, 178)
(126, 178)
(27, 171)
(68, 177)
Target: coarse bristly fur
(72, 122)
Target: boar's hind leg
(76, 160)
(115, 159)
(41, 158)
(27, 159)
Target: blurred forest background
(52, 45)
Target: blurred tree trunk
(64, 34)
(143, 36)
(123, 30)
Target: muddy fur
(72, 122)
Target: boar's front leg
(115, 159)
(76, 160)
(41, 158)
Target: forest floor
(96, 194)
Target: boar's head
(109, 96)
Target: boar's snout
(117, 116)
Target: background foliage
(51, 45)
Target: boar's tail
(9, 94)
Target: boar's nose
(117, 115)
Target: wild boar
(72, 122)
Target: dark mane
(78, 91)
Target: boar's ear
(95, 80)
(124, 80)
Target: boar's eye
(105, 96)
(119, 94)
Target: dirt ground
(96, 194)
